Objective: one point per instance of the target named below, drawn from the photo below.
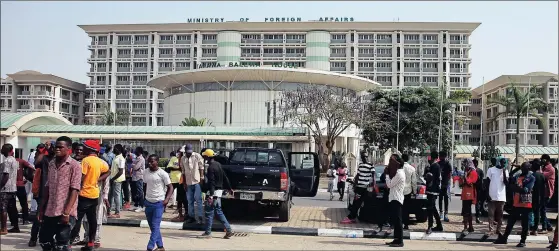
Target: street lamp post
(452, 134)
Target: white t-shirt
(156, 183)
(497, 189)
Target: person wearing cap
(94, 170)
(193, 175)
(217, 181)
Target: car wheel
(284, 209)
(421, 217)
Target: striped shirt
(396, 186)
(366, 174)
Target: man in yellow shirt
(94, 169)
(176, 179)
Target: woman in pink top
(342, 176)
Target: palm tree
(190, 121)
(518, 104)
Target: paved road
(122, 238)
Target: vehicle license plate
(247, 196)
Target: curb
(327, 232)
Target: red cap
(92, 144)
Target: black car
(378, 198)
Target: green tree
(190, 121)
(108, 118)
(518, 104)
(420, 109)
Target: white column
(112, 84)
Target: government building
(126, 57)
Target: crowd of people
(75, 184)
(528, 188)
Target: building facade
(32, 91)
(124, 57)
(537, 129)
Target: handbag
(28, 173)
(468, 192)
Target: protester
(410, 189)
(214, 191)
(538, 196)
(102, 208)
(38, 188)
(138, 167)
(94, 170)
(31, 157)
(480, 193)
(193, 175)
(331, 175)
(175, 176)
(549, 174)
(59, 203)
(21, 194)
(117, 177)
(446, 175)
(522, 204)
(498, 181)
(158, 193)
(396, 182)
(108, 155)
(432, 178)
(127, 185)
(469, 194)
(8, 189)
(342, 177)
(365, 178)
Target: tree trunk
(329, 147)
(517, 143)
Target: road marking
(340, 232)
(530, 239)
(252, 229)
(433, 236)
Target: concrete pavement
(122, 238)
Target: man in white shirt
(396, 182)
(498, 180)
(410, 189)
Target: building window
(166, 37)
(140, 65)
(209, 37)
(337, 64)
(123, 38)
(338, 36)
(384, 64)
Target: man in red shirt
(549, 175)
(21, 195)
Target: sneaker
(132, 208)
(438, 229)
(406, 227)
(533, 232)
(126, 206)
(114, 216)
(550, 229)
(178, 219)
(521, 245)
(139, 210)
(14, 230)
(470, 230)
(542, 231)
(347, 221)
(82, 242)
(429, 231)
(500, 240)
(478, 221)
(160, 249)
(445, 218)
(32, 243)
(228, 235)
(441, 215)
(206, 236)
(396, 245)
(97, 244)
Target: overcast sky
(514, 37)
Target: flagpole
(526, 122)
(398, 122)
(481, 118)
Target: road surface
(125, 238)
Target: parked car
(262, 177)
(378, 201)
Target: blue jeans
(139, 194)
(543, 214)
(210, 209)
(154, 214)
(194, 193)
